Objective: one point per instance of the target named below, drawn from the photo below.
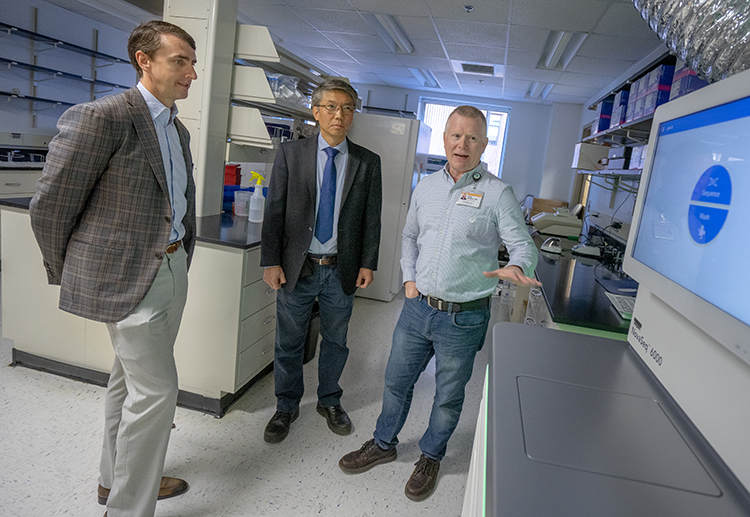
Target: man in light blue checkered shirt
(457, 219)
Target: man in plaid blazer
(114, 216)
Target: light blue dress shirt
(173, 158)
(445, 247)
(341, 161)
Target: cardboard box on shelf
(546, 205)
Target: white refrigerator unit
(403, 145)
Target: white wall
(541, 137)
(53, 21)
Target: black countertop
(573, 295)
(224, 229)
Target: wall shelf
(623, 173)
(635, 132)
(35, 99)
(34, 36)
(59, 73)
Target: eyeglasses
(331, 109)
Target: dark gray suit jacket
(101, 213)
(289, 219)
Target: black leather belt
(445, 306)
(322, 260)
(173, 246)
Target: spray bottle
(257, 201)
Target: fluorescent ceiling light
(390, 31)
(559, 49)
(537, 89)
(425, 77)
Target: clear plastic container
(241, 201)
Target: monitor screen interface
(695, 221)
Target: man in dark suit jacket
(114, 216)
(320, 239)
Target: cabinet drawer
(18, 182)
(253, 272)
(257, 326)
(254, 359)
(254, 297)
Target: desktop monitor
(689, 247)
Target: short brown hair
(332, 85)
(147, 38)
(469, 112)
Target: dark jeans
(454, 340)
(292, 317)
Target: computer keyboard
(623, 304)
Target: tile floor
(51, 428)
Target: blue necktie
(324, 224)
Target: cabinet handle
(268, 320)
(15, 184)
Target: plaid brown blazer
(101, 214)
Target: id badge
(472, 198)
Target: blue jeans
(292, 318)
(421, 332)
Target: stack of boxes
(685, 81)
(619, 158)
(603, 116)
(637, 157)
(650, 91)
(620, 107)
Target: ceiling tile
(394, 7)
(336, 21)
(322, 4)
(527, 38)
(495, 11)
(490, 34)
(329, 54)
(522, 58)
(428, 48)
(400, 71)
(409, 82)
(304, 38)
(625, 20)
(586, 80)
(357, 41)
(561, 89)
(571, 15)
(616, 47)
(418, 28)
(516, 84)
(430, 63)
(378, 58)
(552, 97)
(276, 16)
(601, 67)
(532, 74)
(475, 53)
(364, 78)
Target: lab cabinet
(226, 337)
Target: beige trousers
(142, 394)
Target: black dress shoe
(422, 482)
(338, 420)
(278, 427)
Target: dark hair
(469, 112)
(333, 85)
(147, 38)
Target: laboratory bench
(226, 338)
(576, 301)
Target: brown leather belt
(445, 306)
(322, 260)
(173, 246)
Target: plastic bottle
(257, 201)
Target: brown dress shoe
(422, 482)
(169, 487)
(369, 455)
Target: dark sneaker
(422, 482)
(278, 427)
(369, 455)
(337, 419)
